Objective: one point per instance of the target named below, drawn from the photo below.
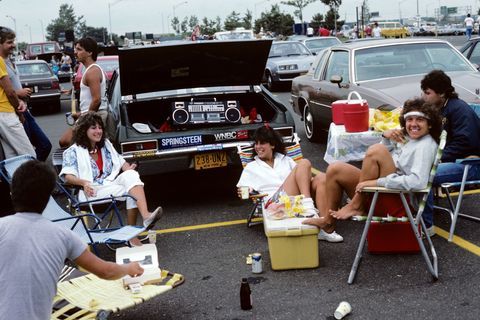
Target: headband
(415, 114)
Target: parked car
(42, 50)
(108, 64)
(237, 34)
(192, 107)
(471, 50)
(286, 60)
(384, 72)
(37, 75)
(317, 44)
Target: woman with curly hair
(93, 164)
(406, 167)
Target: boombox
(197, 112)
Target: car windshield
(407, 59)
(234, 35)
(321, 43)
(287, 50)
(37, 49)
(106, 65)
(49, 48)
(36, 69)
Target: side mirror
(336, 79)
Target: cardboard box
(391, 237)
(292, 245)
(147, 257)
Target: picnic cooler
(391, 237)
(354, 114)
(292, 245)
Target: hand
(24, 93)
(22, 106)
(363, 184)
(130, 166)
(89, 190)
(395, 135)
(134, 269)
(66, 91)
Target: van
(43, 50)
(392, 29)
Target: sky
(153, 16)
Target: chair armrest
(470, 161)
(79, 216)
(386, 190)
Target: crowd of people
(402, 160)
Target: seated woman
(93, 163)
(271, 170)
(407, 167)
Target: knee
(131, 175)
(335, 168)
(376, 150)
(304, 163)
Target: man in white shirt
(469, 24)
(376, 32)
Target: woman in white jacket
(93, 164)
(406, 167)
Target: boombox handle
(203, 99)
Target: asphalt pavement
(203, 236)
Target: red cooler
(353, 113)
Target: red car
(107, 63)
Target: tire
(271, 86)
(311, 124)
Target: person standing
(92, 85)
(469, 26)
(323, 32)
(13, 137)
(37, 249)
(377, 31)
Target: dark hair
(6, 34)
(90, 45)
(434, 121)
(266, 134)
(82, 125)
(440, 82)
(32, 185)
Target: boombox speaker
(198, 112)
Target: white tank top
(86, 95)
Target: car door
(327, 92)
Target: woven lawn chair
(245, 153)
(461, 189)
(416, 222)
(97, 234)
(89, 297)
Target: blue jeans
(37, 137)
(469, 32)
(447, 172)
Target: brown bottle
(245, 295)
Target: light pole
(30, 29)
(400, 11)
(14, 22)
(174, 7)
(110, 4)
(43, 31)
(255, 7)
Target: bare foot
(318, 222)
(347, 212)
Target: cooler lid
(192, 65)
(287, 227)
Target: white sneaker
(309, 207)
(330, 237)
(431, 231)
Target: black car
(471, 50)
(189, 105)
(37, 75)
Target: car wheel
(311, 124)
(270, 83)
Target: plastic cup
(152, 236)
(245, 191)
(343, 309)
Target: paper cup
(343, 309)
(245, 192)
(152, 236)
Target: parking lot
(204, 237)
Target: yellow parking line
(315, 171)
(205, 226)
(462, 243)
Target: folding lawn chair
(89, 297)
(415, 222)
(245, 153)
(77, 223)
(461, 189)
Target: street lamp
(174, 7)
(400, 11)
(14, 22)
(43, 31)
(30, 29)
(255, 7)
(110, 17)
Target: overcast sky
(153, 16)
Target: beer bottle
(245, 295)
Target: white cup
(245, 191)
(343, 309)
(152, 236)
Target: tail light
(55, 85)
(139, 146)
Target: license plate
(35, 89)
(210, 160)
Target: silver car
(286, 60)
(317, 44)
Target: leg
(325, 222)
(298, 181)
(37, 137)
(13, 137)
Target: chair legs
(254, 210)
(432, 263)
